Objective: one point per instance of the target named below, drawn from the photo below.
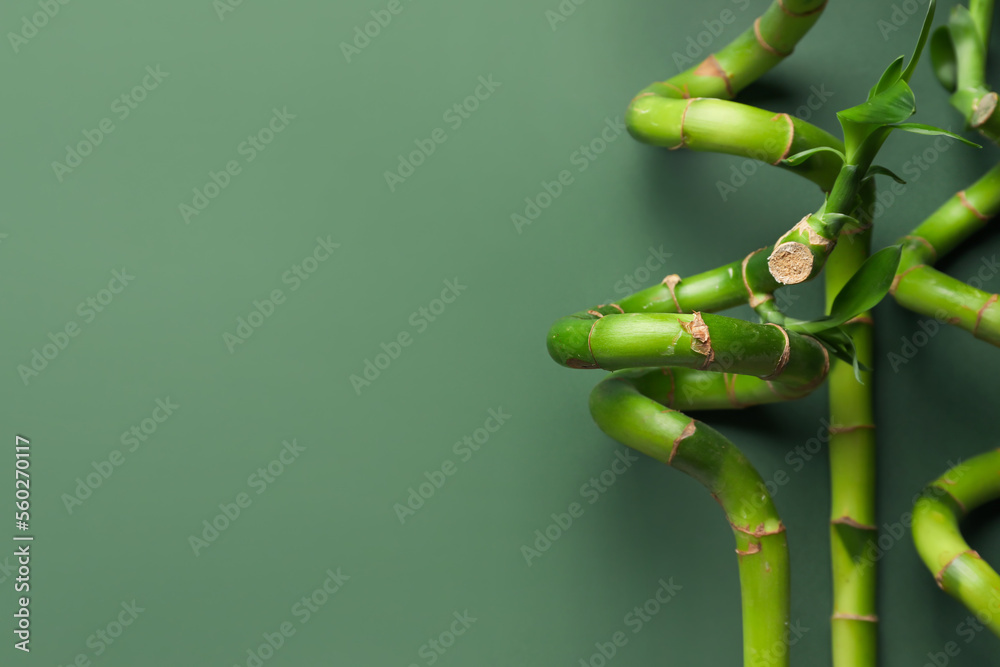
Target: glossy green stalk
(854, 623)
(956, 220)
(959, 570)
(699, 341)
(770, 40)
(970, 34)
(692, 447)
(982, 17)
(724, 287)
(925, 290)
(705, 124)
(687, 389)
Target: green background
(324, 176)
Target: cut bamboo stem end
(983, 109)
(791, 263)
(799, 254)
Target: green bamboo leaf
(893, 105)
(868, 285)
(924, 31)
(876, 170)
(920, 128)
(841, 345)
(889, 77)
(943, 60)
(863, 291)
(799, 158)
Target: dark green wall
(553, 87)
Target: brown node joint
(861, 319)
(967, 204)
(729, 380)
(818, 380)
(841, 616)
(752, 548)
(848, 521)
(669, 372)
(951, 495)
(786, 353)
(686, 433)
(671, 283)
(814, 238)
(922, 240)
(774, 390)
(899, 277)
(595, 313)
(979, 315)
(763, 42)
(939, 577)
(851, 231)
(791, 135)
(710, 67)
(590, 347)
(800, 14)
(685, 93)
(701, 339)
(759, 531)
(746, 283)
(684, 114)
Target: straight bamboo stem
(854, 623)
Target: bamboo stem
(628, 416)
(972, 97)
(924, 290)
(699, 341)
(854, 624)
(959, 570)
(770, 40)
(705, 124)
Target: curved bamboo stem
(705, 124)
(770, 40)
(957, 568)
(623, 412)
(924, 290)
